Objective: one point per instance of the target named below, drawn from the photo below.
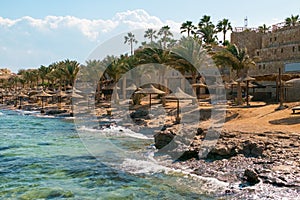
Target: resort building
(277, 49)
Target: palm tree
(130, 39)
(292, 21)
(156, 56)
(207, 30)
(188, 55)
(224, 26)
(69, 70)
(165, 33)
(150, 34)
(264, 28)
(43, 71)
(188, 27)
(238, 60)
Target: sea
(44, 157)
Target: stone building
(276, 49)
(279, 48)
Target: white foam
(115, 131)
(143, 167)
(1, 113)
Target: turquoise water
(44, 158)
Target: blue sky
(30, 38)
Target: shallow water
(44, 158)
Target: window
(275, 51)
(298, 48)
(257, 53)
(275, 38)
(281, 50)
(293, 49)
(259, 66)
(270, 39)
(264, 66)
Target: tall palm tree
(188, 54)
(207, 30)
(264, 28)
(43, 71)
(166, 34)
(156, 56)
(292, 21)
(130, 39)
(150, 34)
(188, 27)
(238, 60)
(69, 69)
(224, 26)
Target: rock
(252, 149)
(55, 112)
(222, 150)
(200, 131)
(163, 138)
(144, 114)
(251, 176)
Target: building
(277, 49)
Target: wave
(1, 113)
(115, 131)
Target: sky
(40, 32)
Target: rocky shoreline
(244, 158)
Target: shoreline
(258, 148)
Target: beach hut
(150, 90)
(179, 95)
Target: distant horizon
(38, 33)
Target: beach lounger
(295, 108)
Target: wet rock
(143, 114)
(251, 176)
(163, 138)
(55, 112)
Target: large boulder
(163, 138)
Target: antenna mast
(246, 22)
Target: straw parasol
(150, 90)
(43, 96)
(131, 87)
(179, 95)
(59, 94)
(247, 79)
(21, 96)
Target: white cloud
(131, 19)
(52, 38)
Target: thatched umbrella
(74, 95)
(132, 87)
(43, 96)
(247, 79)
(21, 96)
(60, 94)
(198, 85)
(179, 95)
(150, 90)
(231, 84)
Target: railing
(275, 27)
(242, 29)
